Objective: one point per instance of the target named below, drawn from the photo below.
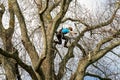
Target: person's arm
(73, 33)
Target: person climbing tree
(61, 35)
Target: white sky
(92, 4)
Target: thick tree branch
(45, 8)
(53, 6)
(105, 40)
(43, 26)
(2, 10)
(104, 51)
(25, 38)
(44, 52)
(68, 56)
(94, 57)
(89, 28)
(43, 31)
(64, 7)
(19, 61)
(99, 54)
(17, 72)
(47, 14)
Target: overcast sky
(92, 4)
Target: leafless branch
(68, 56)
(105, 23)
(98, 68)
(75, 20)
(53, 6)
(89, 27)
(115, 53)
(34, 31)
(63, 9)
(102, 52)
(105, 40)
(19, 61)
(45, 8)
(25, 38)
(82, 49)
(97, 76)
(58, 53)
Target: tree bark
(8, 64)
(6, 36)
(79, 74)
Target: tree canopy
(28, 30)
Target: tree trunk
(48, 64)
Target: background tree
(96, 37)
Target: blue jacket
(65, 30)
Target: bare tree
(102, 36)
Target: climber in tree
(61, 35)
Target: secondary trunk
(48, 65)
(80, 72)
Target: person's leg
(59, 37)
(66, 41)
